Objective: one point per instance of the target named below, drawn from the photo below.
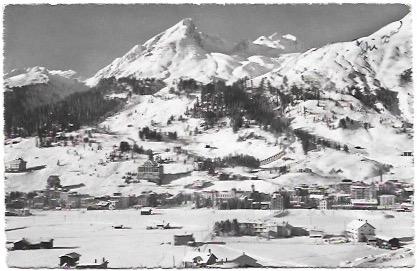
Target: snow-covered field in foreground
(90, 233)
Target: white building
(358, 230)
(363, 191)
(325, 204)
(387, 201)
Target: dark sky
(85, 38)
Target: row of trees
(146, 133)
(124, 146)
(229, 161)
(143, 86)
(231, 228)
(310, 142)
(227, 227)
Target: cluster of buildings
(391, 194)
(198, 259)
(238, 199)
(360, 230)
(266, 229)
(356, 231)
(59, 138)
(346, 194)
(57, 196)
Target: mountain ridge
(183, 51)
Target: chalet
(25, 243)
(183, 239)
(245, 261)
(17, 165)
(357, 230)
(69, 260)
(146, 211)
(407, 153)
(151, 171)
(387, 242)
(199, 259)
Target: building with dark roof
(151, 171)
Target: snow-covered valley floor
(91, 234)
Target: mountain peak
(187, 22)
(185, 26)
(34, 75)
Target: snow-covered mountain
(182, 51)
(369, 63)
(36, 75)
(36, 86)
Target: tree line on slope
(67, 114)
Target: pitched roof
(201, 257)
(385, 238)
(150, 163)
(356, 224)
(35, 240)
(71, 255)
(245, 260)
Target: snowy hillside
(36, 86)
(377, 133)
(368, 139)
(368, 63)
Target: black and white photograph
(213, 135)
